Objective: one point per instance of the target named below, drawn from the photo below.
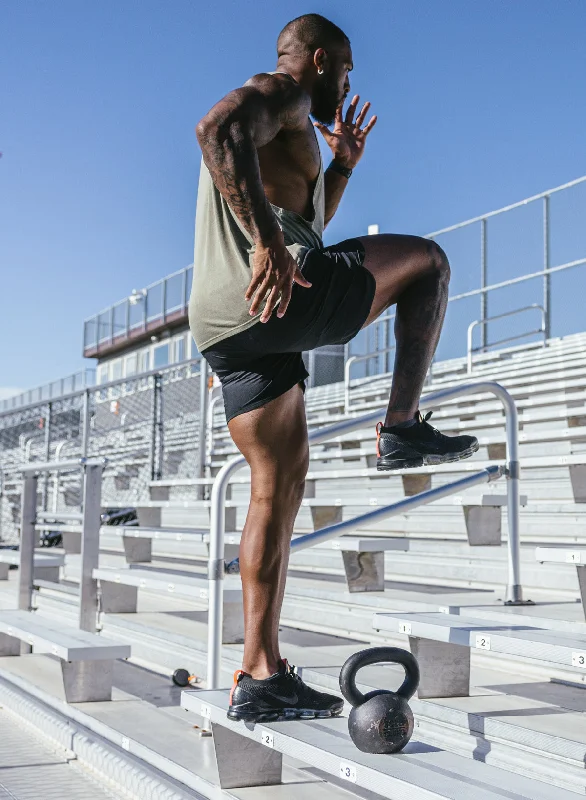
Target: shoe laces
(291, 671)
(424, 420)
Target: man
(265, 289)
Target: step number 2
(483, 642)
(348, 772)
(267, 739)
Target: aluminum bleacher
(491, 722)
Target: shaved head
(304, 35)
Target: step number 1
(348, 772)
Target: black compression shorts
(264, 361)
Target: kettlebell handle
(376, 655)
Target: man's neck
(296, 72)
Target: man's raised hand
(347, 138)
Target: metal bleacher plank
(169, 582)
(421, 772)
(521, 640)
(69, 643)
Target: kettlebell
(380, 721)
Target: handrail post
(347, 367)
(216, 569)
(514, 595)
(483, 280)
(546, 265)
(469, 345)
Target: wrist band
(345, 171)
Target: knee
(439, 261)
(282, 484)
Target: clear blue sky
(479, 104)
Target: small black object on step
(380, 721)
(181, 677)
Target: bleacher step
(420, 771)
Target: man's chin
(325, 118)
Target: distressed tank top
(222, 259)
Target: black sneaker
(282, 695)
(419, 445)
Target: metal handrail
(216, 564)
(353, 360)
(578, 262)
(57, 466)
(518, 204)
(17, 401)
(485, 290)
(483, 347)
(486, 475)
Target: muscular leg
(413, 273)
(273, 439)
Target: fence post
(28, 514)
(47, 456)
(90, 545)
(85, 424)
(546, 266)
(483, 282)
(157, 429)
(203, 423)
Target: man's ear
(320, 60)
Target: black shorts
(264, 361)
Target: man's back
(292, 179)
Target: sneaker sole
(283, 714)
(425, 460)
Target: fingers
(370, 125)
(325, 131)
(260, 296)
(299, 278)
(253, 285)
(352, 109)
(270, 304)
(360, 118)
(285, 299)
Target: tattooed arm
(229, 136)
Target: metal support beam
(90, 546)
(28, 511)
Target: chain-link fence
(145, 426)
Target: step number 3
(483, 642)
(267, 739)
(348, 772)
(579, 660)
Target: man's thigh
(273, 439)
(395, 260)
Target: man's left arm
(346, 141)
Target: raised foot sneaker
(419, 445)
(283, 695)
